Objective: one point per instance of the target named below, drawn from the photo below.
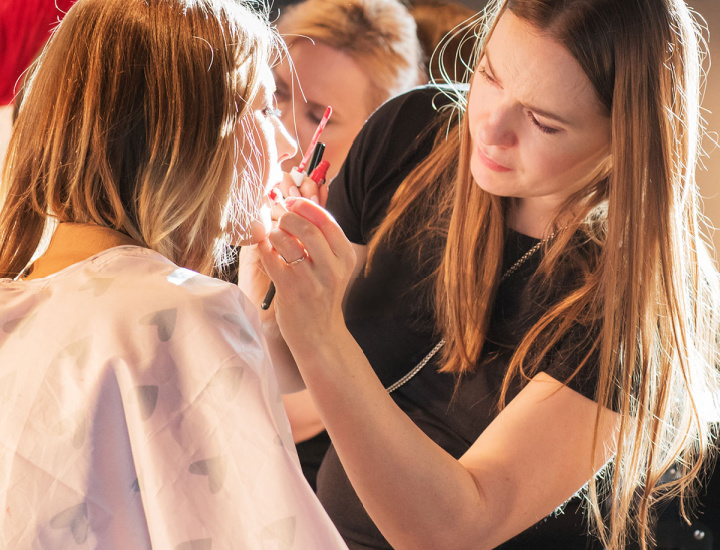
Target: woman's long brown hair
(131, 121)
(646, 283)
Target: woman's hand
(308, 188)
(252, 277)
(309, 292)
(272, 207)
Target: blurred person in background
(351, 55)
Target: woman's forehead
(539, 71)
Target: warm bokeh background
(709, 179)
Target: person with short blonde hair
(350, 54)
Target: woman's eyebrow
(542, 112)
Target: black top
(394, 324)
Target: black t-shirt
(392, 320)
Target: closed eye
(483, 72)
(541, 127)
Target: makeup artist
(544, 234)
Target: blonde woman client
(557, 219)
(139, 409)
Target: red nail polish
(273, 195)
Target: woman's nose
(497, 128)
(286, 146)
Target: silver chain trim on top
(513, 268)
(417, 368)
(405, 379)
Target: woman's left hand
(309, 292)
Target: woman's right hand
(307, 189)
(309, 294)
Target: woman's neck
(75, 242)
(533, 217)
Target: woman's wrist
(329, 352)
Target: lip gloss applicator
(298, 172)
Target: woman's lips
(488, 162)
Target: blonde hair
(130, 121)
(379, 35)
(636, 247)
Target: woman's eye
(542, 127)
(485, 74)
(272, 112)
(282, 95)
(315, 118)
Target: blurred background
(709, 177)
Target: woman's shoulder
(131, 286)
(142, 278)
(131, 306)
(402, 130)
(428, 96)
(143, 271)
(398, 135)
(410, 113)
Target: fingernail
(315, 199)
(273, 195)
(290, 201)
(294, 192)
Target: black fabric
(392, 321)
(311, 453)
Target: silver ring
(295, 262)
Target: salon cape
(138, 410)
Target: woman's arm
(302, 413)
(252, 280)
(533, 457)
(254, 283)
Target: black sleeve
(579, 346)
(392, 142)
